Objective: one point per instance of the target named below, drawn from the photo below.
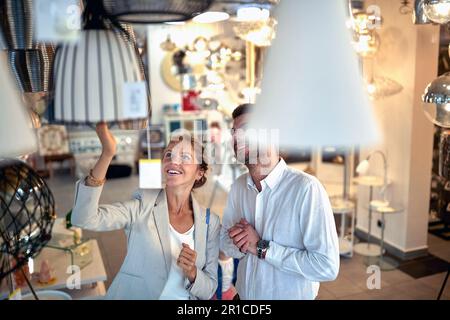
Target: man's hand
(244, 236)
(239, 236)
(186, 261)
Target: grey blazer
(145, 219)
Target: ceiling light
(153, 11)
(252, 14)
(305, 95)
(366, 45)
(437, 11)
(93, 85)
(211, 17)
(380, 87)
(437, 101)
(260, 33)
(176, 23)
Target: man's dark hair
(242, 109)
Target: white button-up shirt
(293, 212)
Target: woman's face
(180, 165)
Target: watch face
(262, 244)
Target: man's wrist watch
(261, 248)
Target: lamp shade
(363, 167)
(16, 23)
(312, 89)
(154, 11)
(92, 77)
(16, 135)
(32, 68)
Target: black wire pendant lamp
(27, 214)
(154, 11)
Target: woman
(173, 243)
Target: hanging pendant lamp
(32, 68)
(16, 24)
(310, 99)
(154, 11)
(16, 136)
(91, 76)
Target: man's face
(240, 143)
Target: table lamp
(363, 168)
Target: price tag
(150, 175)
(57, 20)
(134, 100)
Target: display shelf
(93, 273)
(344, 208)
(385, 263)
(369, 181)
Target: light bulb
(366, 44)
(437, 11)
(436, 100)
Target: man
(279, 223)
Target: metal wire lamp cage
(27, 213)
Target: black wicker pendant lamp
(154, 11)
(16, 21)
(29, 61)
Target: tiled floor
(350, 284)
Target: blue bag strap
(208, 214)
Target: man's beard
(245, 158)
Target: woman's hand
(107, 139)
(186, 261)
(108, 151)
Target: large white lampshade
(312, 89)
(90, 79)
(16, 136)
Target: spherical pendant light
(437, 101)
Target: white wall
(409, 55)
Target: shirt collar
(272, 179)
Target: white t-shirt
(175, 288)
